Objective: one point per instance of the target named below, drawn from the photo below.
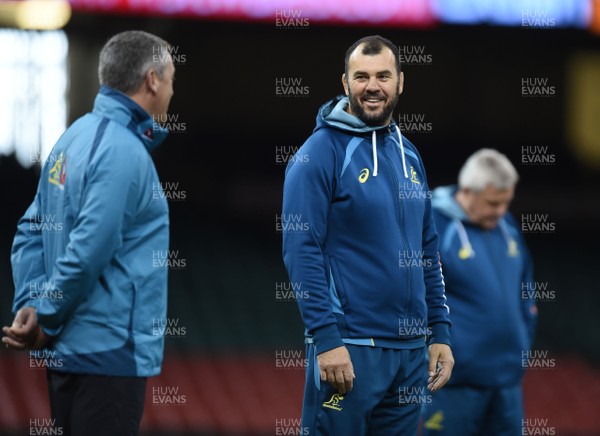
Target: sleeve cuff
(52, 332)
(35, 305)
(440, 334)
(327, 338)
(46, 322)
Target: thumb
(29, 317)
(25, 320)
(20, 319)
(433, 360)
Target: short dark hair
(128, 56)
(373, 46)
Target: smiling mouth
(372, 101)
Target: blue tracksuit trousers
(474, 411)
(389, 390)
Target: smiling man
(372, 87)
(366, 258)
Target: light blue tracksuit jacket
(84, 251)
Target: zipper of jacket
(496, 261)
(401, 221)
(492, 249)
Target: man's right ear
(345, 84)
(152, 80)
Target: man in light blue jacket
(87, 291)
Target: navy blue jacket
(359, 239)
(485, 271)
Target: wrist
(440, 334)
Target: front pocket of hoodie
(338, 285)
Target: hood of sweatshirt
(443, 200)
(333, 114)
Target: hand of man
(336, 368)
(25, 331)
(441, 363)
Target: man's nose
(373, 85)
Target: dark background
(225, 161)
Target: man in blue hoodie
(87, 290)
(486, 268)
(360, 243)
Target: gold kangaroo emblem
(334, 402)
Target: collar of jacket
(118, 107)
(334, 114)
(443, 200)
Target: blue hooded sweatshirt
(359, 242)
(486, 272)
(84, 253)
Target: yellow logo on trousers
(334, 402)
(435, 421)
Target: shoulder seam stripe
(350, 149)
